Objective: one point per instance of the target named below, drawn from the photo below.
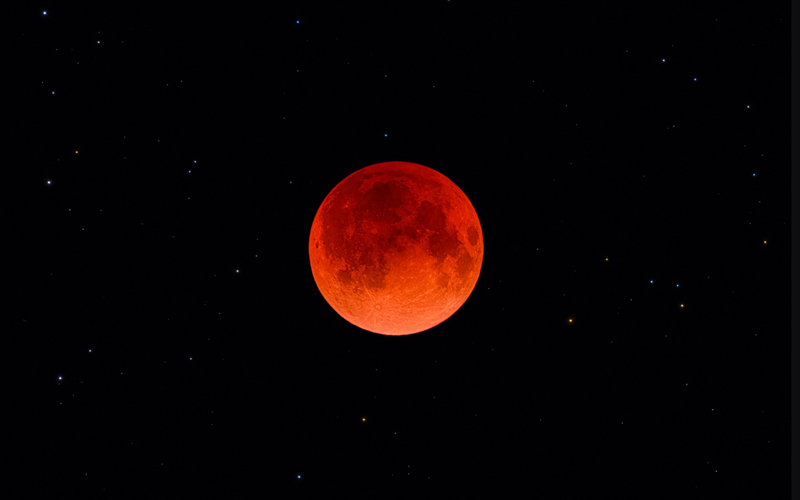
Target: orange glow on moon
(396, 248)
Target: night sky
(629, 332)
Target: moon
(396, 248)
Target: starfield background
(629, 334)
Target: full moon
(396, 248)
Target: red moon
(396, 248)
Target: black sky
(173, 339)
